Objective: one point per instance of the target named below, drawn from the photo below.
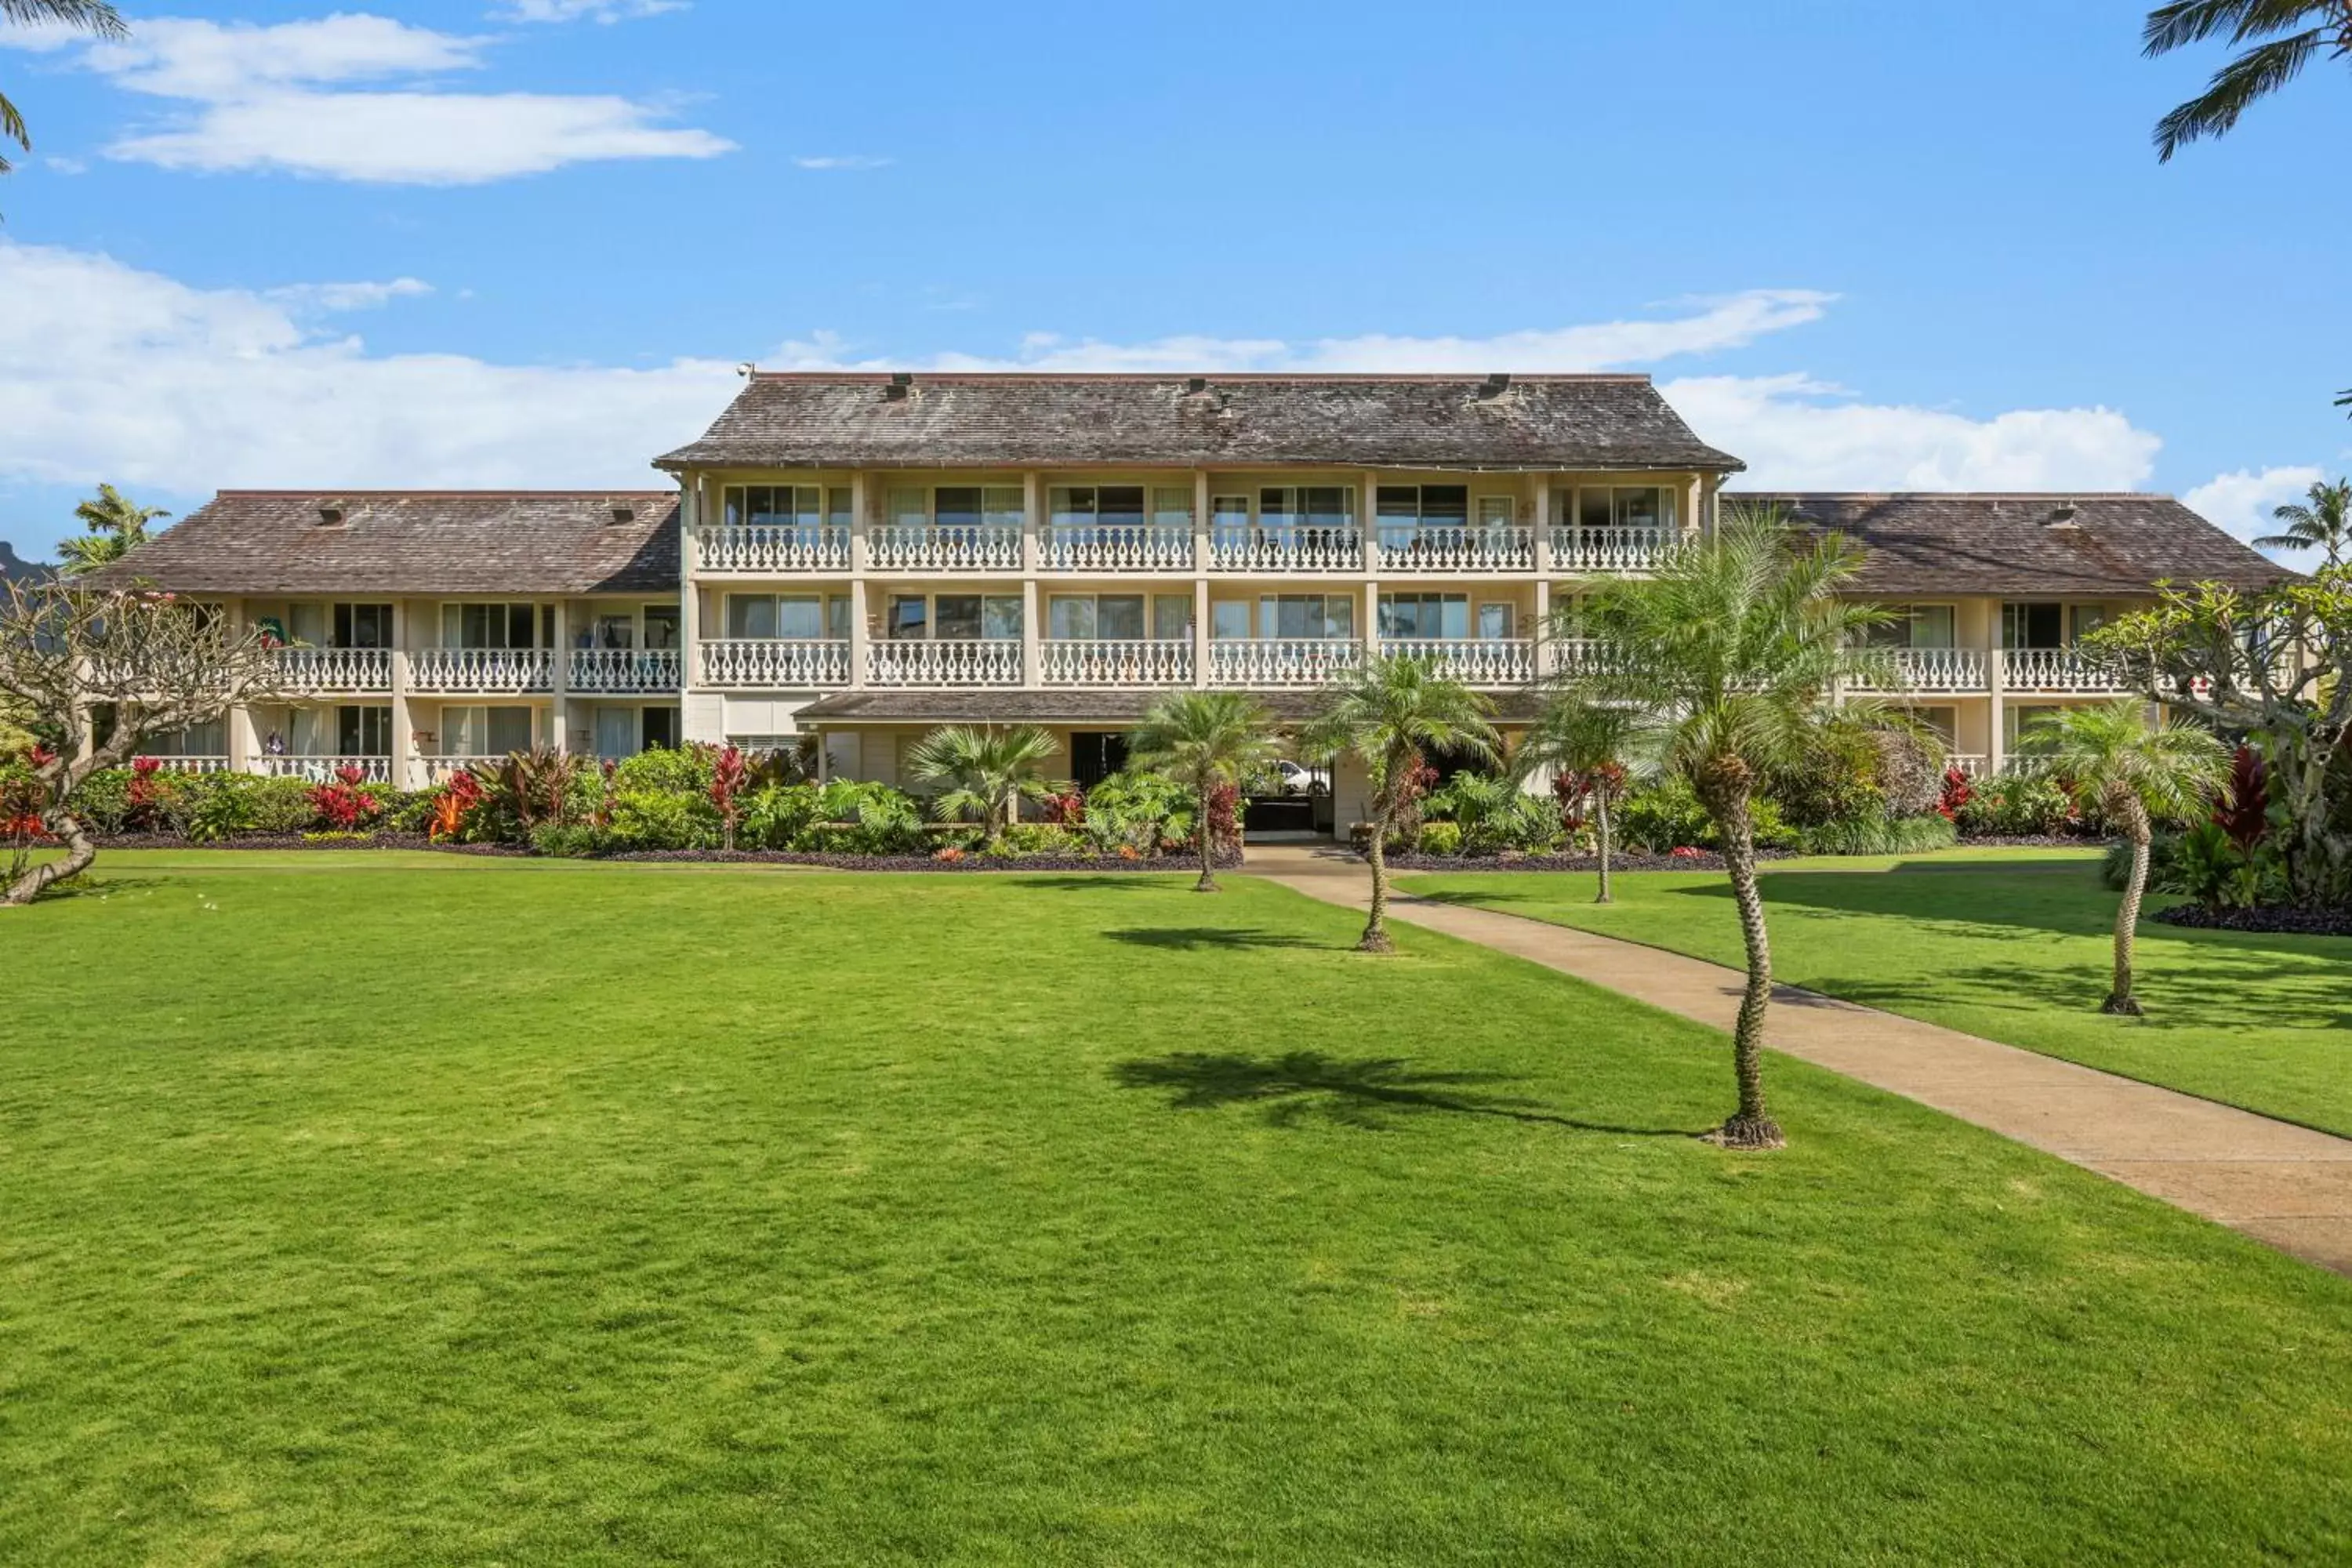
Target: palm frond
(2186, 22)
(95, 17)
(2260, 71)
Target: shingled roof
(2027, 545)
(879, 421)
(415, 541)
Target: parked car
(1299, 779)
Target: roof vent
(1496, 384)
(901, 381)
(2061, 515)
(331, 514)
(625, 511)
(1196, 384)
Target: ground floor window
(484, 732)
(660, 728)
(209, 738)
(2019, 718)
(362, 731)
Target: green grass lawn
(2015, 948)
(359, 1209)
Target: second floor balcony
(1424, 548)
(335, 668)
(943, 547)
(490, 670)
(622, 671)
(1635, 548)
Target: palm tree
(1390, 713)
(983, 773)
(93, 16)
(1209, 739)
(2322, 521)
(1587, 741)
(2134, 770)
(114, 525)
(2309, 27)
(1726, 656)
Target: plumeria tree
(2135, 772)
(1726, 656)
(982, 773)
(155, 661)
(1210, 740)
(1390, 713)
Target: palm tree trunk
(1752, 1126)
(36, 880)
(2120, 1000)
(1208, 882)
(1600, 835)
(1376, 930)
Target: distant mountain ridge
(14, 569)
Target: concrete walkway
(2283, 1184)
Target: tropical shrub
(2019, 806)
(341, 804)
(1441, 838)
(686, 771)
(569, 839)
(1910, 770)
(103, 799)
(648, 819)
(1879, 836)
(1666, 816)
(776, 816)
(1139, 810)
(1493, 815)
(1041, 838)
(1837, 779)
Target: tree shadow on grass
(1197, 938)
(1152, 881)
(1366, 1091)
(2208, 988)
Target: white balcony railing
(621, 669)
(1092, 662)
(1309, 548)
(486, 670)
(1972, 765)
(2054, 669)
(1575, 549)
(769, 547)
(336, 668)
(776, 661)
(190, 764)
(983, 547)
(1934, 669)
(324, 770)
(438, 769)
(1573, 657)
(1116, 549)
(964, 662)
(1474, 661)
(1281, 661)
(1424, 549)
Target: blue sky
(523, 241)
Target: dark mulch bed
(1705, 860)
(2287, 919)
(296, 841)
(2031, 841)
(971, 862)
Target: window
(1171, 616)
(1229, 514)
(208, 738)
(800, 616)
(617, 732)
(1428, 509)
(475, 731)
(491, 626)
(2018, 719)
(1496, 617)
(1944, 721)
(660, 729)
(1113, 618)
(751, 615)
(962, 508)
(1171, 508)
(362, 731)
(1410, 617)
(1595, 507)
(803, 508)
(2032, 626)
(2083, 619)
(615, 631)
(362, 625)
(1310, 615)
(966, 618)
(1915, 626)
(1496, 513)
(661, 625)
(1306, 506)
(910, 617)
(1229, 620)
(1088, 509)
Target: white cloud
(2240, 503)
(241, 387)
(842, 161)
(288, 96)
(1796, 433)
(590, 10)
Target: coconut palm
(114, 525)
(1210, 740)
(92, 16)
(1726, 654)
(2322, 521)
(2134, 771)
(983, 773)
(2297, 32)
(1591, 742)
(1390, 715)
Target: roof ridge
(882, 377)
(449, 494)
(1959, 495)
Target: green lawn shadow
(1368, 1093)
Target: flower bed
(1688, 860)
(2286, 919)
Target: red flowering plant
(1068, 809)
(729, 775)
(452, 804)
(2243, 808)
(341, 804)
(146, 795)
(1956, 792)
(1225, 824)
(1683, 852)
(20, 810)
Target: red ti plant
(2243, 808)
(341, 804)
(1956, 793)
(146, 793)
(1067, 810)
(1225, 824)
(458, 797)
(730, 774)
(20, 812)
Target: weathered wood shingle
(415, 541)
(1226, 421)
(2026, 545)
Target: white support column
(559, 680)
(1368, 512)
(407, 768)
(861, 634)
(859, 495)
(689, 601)
(1370, 632)
(1542, 516)
(1995, 744)
(1033, 657)
(1032, 494)
(1200, 631)
(1201, 537)
(1541, 659)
